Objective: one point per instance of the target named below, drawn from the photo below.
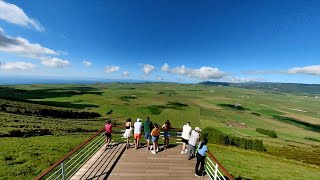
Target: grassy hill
(236, 111)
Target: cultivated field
(294, 154)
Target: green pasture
(203, 106)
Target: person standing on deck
(201, 156)
(186, 130)
(155, 133)
(137, 132)
(108, 132)
(193, 140)
(166, 133)
(127, 133)
(147, 126)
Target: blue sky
(180, 41)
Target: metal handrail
(212, 166)
(61, 160)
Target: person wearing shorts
(147, 127)
(108, 132)
(166, 133)
(137, 132)
(186, 130)
(127, 133)
(155, 133)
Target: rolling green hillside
(287, 123)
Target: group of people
(190, 139)
(151, 133)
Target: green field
(294, 154)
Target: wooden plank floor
(100, 164)
(142, 164)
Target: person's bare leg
(127, 143)
(183, 147)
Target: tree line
(47, 112)
(217, 137)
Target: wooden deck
(100, 164)
(138, 165)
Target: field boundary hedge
(217, 137)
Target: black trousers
(200, 161)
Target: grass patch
(267, 132)
(176, 105)
(155, 109)
(312, 139)
(233, 107)
(128, 98)
(295, 122)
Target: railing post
(63, 173)
(216, 171)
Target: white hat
(197, 129)
(139, 119)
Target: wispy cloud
(241, 79)
(147, 68)
(87, 63)
(311, 70)
(16, 66)
(23, 47)
(125, 73)
(111, 69)
(202, 73)
(15, 15)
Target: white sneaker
(153, 152)
(186, 151)
(182, 152)
(151, 147)
(157, 149)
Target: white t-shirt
(137, 127)
(186, 130)
(194, 138)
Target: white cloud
(87, 63)
(202, 73)
(147, 68)
(16, 66)
(55, 62)
(159, 78)
(111, 69)
(311, 70)
(15, 15)
(125, 73)
(23, 47)
(165, 67)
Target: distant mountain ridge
(295, 88)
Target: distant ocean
(31, 80)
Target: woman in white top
(127, 133)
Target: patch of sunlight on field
(255, 165)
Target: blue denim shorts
(155, 138)
(147, 136)
(166, 134)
